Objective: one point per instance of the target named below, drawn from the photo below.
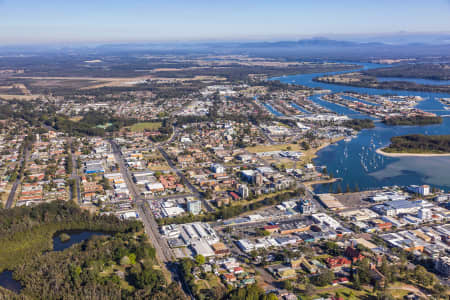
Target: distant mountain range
(316, 42)
(401, 45)
(325, 42)
(313, 43)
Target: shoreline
(324, 145)
(379, 86)
(381, 152)
(324, 181)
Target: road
(311, 196)
(12, 193)
(163, 253)
(124, 170)
(176, 196)
(74, 174)
(268, 138)
(185, 181)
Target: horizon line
(254, 38)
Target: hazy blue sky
(29, 21)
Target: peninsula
(417, 145)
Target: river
(356, 161)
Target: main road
(12, 193)
(163, 253)
(74, 174)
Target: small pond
(6, 277)
(8, 282)
(75, 237)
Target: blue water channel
(297, 107)
(269, 107)
(273, 110)
(356, 161)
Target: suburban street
(186, 182)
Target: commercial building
(387, 196)
(292, 227)
(325, 219)
(243, 191)
(393, 208)
(307, 207)
(442, 265)
(194, 207)
(252, 176)
(358, 215)
(199, 236)
(170, 209)
(202, 248)
(425, 214)
(143, 177)
(423, 190)
(217, 168)
(93, 167)
(330, 202)
(155, 187)
(248, 175)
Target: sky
(54, 21)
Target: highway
(124, 170)
(74, 174)
(163, 253)
(12, 193)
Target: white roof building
(156, 186)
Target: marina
(356, 160)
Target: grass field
(160, 167)
(76, 119)
(145, 125)
(280, 147)
(210, 282)
(398, 293)
(343, 291)
(4, 195)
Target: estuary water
(356, 161)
